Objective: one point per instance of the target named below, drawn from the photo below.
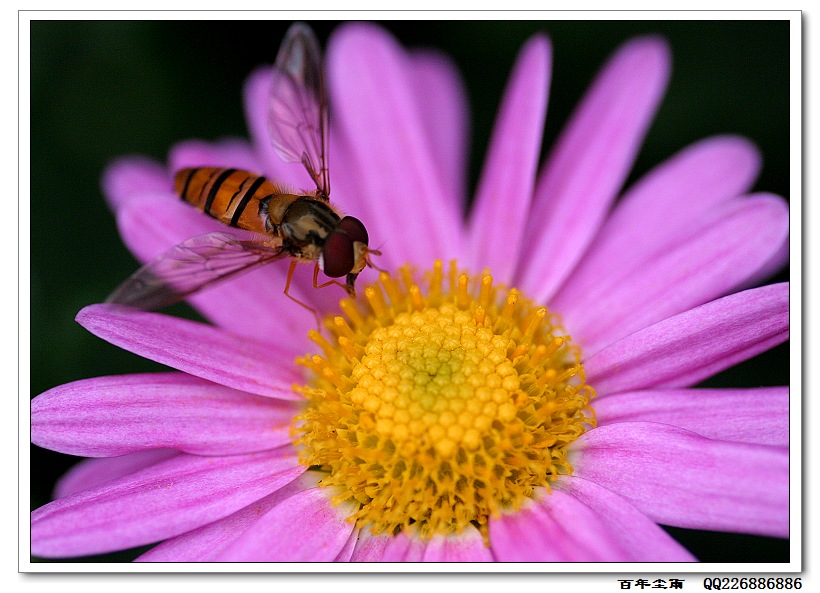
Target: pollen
(440, 402)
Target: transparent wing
(297, 113)
(191, 266)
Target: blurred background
(102, 89)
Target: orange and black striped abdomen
(231, 196)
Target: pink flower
(654, 290)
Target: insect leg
(370, 262)
(291, 270)
(328, 283)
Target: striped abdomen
(232, 196)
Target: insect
(277, 223)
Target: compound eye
(337, 254)
(354, 229)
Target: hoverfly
(303, 226)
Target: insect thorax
(306, 223)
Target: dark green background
(101, 89)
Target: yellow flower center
(434, 409)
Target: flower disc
(434, 412)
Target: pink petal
(369, 547)
(346, 553)
(206, 543)
(508, 176)
(242, 304)
(133, 176)
(590, 162)
(305, 527)
(109, 416)
(196, 348)
(164, 500)
(463, 547)
(681, 479)
(689, 347)
(403, 548)
(778, 260)
(642, 539)
(660, 207)
(716, 257)
(373, 95)
(93, 472)
(445, 109)
(758, 416)
(558, 528)
(233, 153)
